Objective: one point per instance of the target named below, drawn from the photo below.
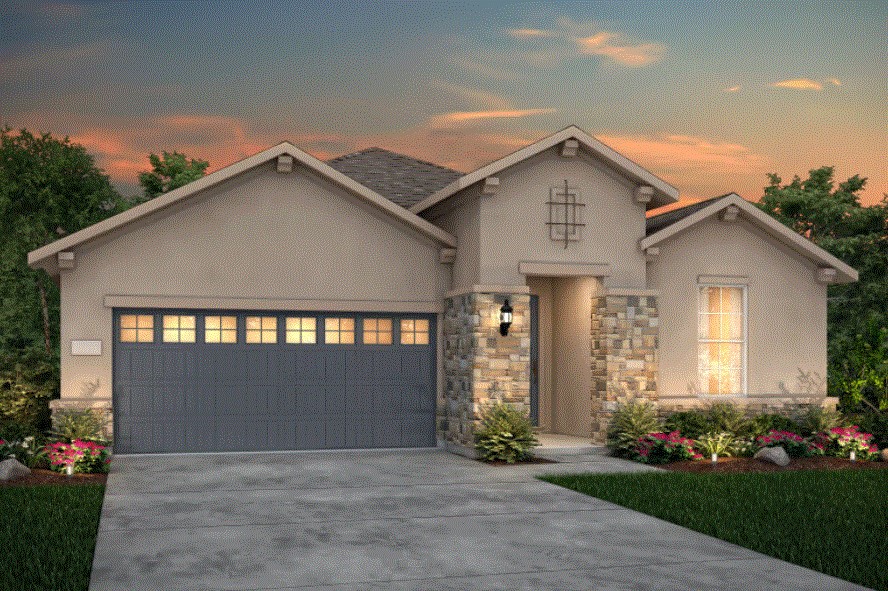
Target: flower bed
(80, 457)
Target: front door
(534, 360)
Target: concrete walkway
(419, 519)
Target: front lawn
(48, 535)
(832, 522)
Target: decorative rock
(885, 455)
(11, 469)
(775, 455)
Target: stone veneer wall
(480, 365)
(754, 405)
(625, 329)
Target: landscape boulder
(885, 455)
(775, 455)
(11, 469)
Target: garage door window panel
(136, 328)
(414, 331)
(220, 329)
(179, 329)
(377, 331)
(301, 330)
(261, 329)
(339, 331)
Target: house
(288, 303)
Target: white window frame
(744, 289)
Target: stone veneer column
(625, 328)
(480, 365)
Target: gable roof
(706, 209)
(43, 256)
(660, 221)
(664, 193)
(397, 177)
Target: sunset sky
(710, 96)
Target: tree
(835, 220)
(170, 171)
(48, 188)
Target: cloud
(834, 81)
(51, 60)
(589, 39)
(799, 84)
(448, 119)
(531, 33)
(733, 88)
(683, 152)
(474, 96)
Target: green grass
(48, 535)
(834, 522)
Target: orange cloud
(465, 116)
(474, 96)
(607, 44)
(799, 84)
(834, 81)
(530, 33)
(733, 88)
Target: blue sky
(709, 95)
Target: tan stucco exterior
(786, 306)
(264, 237)
(617, 308)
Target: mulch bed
(530, 461)
(728, 465)
(39, 476)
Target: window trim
(744, 290)
(300, 316)
(154, 328)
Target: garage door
(201, 381)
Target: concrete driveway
(421, 519)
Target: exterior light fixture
(505, 318)
(853, 456)
(715, 458)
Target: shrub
(723, 444)
(631, 420)
(765, 423)
(27, 383)
(724, 417)
(86, 457)
(661, 448)
(874, 422)
(841, 441)
(71, 424)
(816, 419)
(29, 451)
(506, 434)
(690, 423)
(794, 444)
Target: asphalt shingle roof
(399, 178)
(658, 222)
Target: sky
(710, 96)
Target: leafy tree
(49, 187)
(170, 171)
(833, 218)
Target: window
(220, 329)
(178, 329)
(415, 332)
(377, 331)
(136, 328)
(302, 331)
(722, 340)
(339, 331)
(261, 329)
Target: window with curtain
(722, 340)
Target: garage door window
(414, 332)
(377, 331)
(136, 328)
(178, 329)
(220, 329)
(261, 329)
(302, 331)
(339, 331)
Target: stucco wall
(513, 221)
(261, 235)
(786, 306)
(459, 217)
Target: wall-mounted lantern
(505, 318)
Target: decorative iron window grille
(565, 214)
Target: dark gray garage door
(199, 381)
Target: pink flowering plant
(795, 445)
(662, 448)
(86, 457)
(841, 441)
